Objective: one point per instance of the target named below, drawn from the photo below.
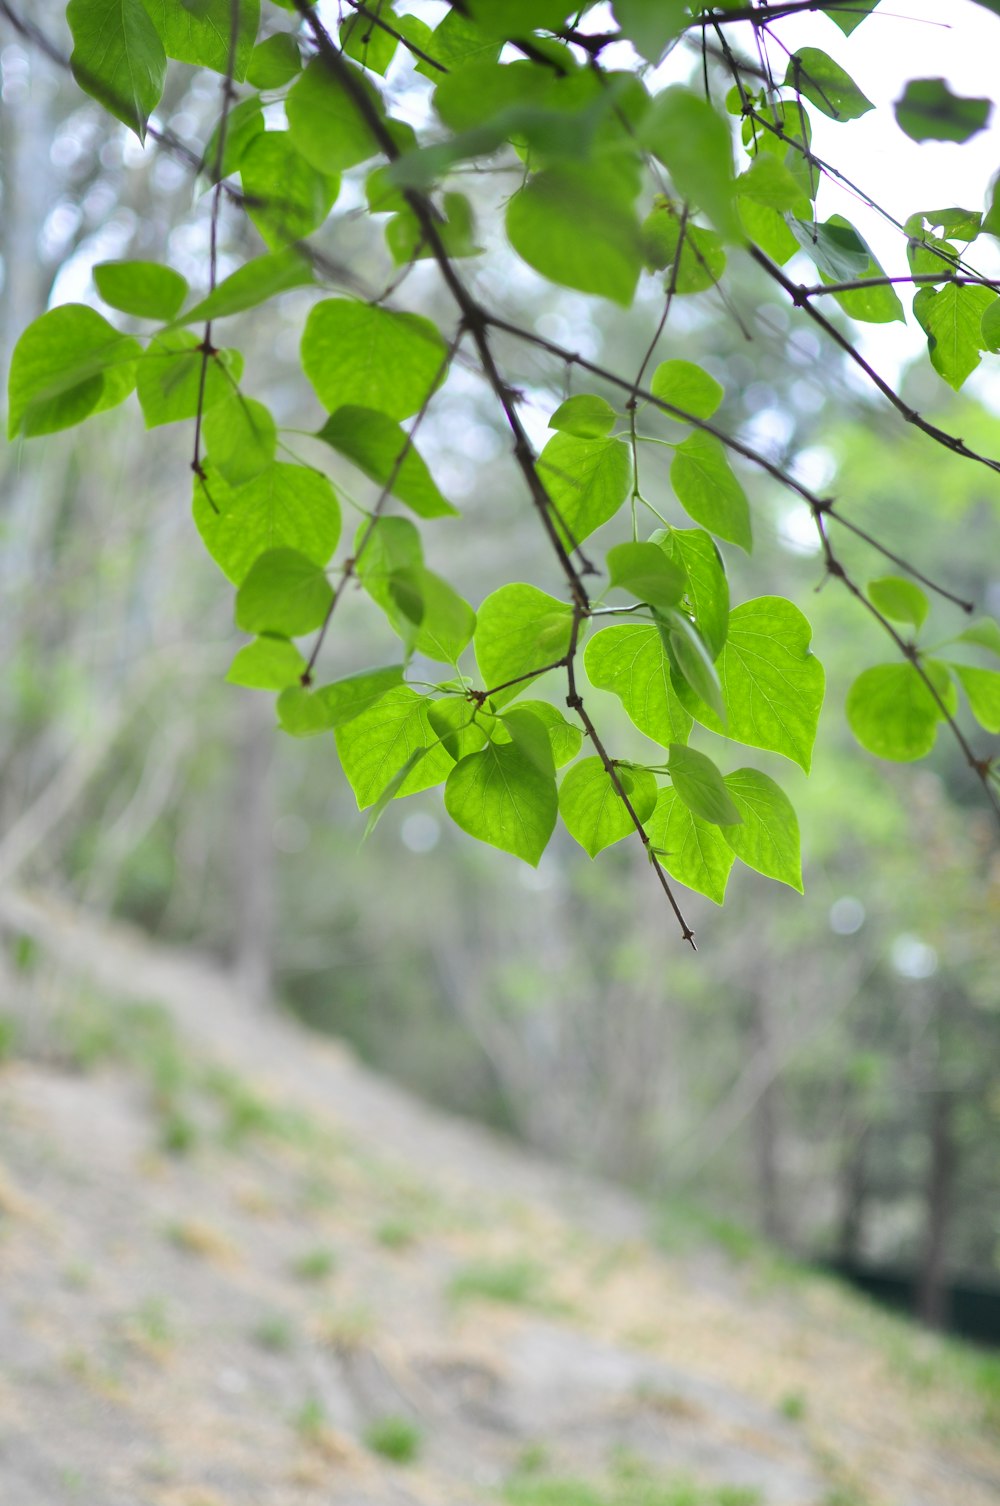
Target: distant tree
(546, 116)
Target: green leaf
(577, 226)
(244, 123)
(826, 85)
(564, 738)
(455, 41)
(66, 365)
(684, 385)
(772, 686)
(288, 506)
(709, 492)
(766, 227)
(836, 248)
(301, 713)
(928, 111)
(707, 587)
(585, 416)
(274, 62)
(649, 27)
(513, 18)
(378, 741)
(985, 633)
(692, 851)
(325, 123)
(355, 353)
(892, 713)
(645, 571)
(592, 809)
(850, 13)
(519, 629)
(355, 695)
(587, 480)
(899, 599)
(241, 438)
(269, 663)
(168, 381)
(143, 288)
(283, 592)
(768, 838)
(393, 789)
(692, 659)
(500, 796)
(286, 196)
(531, 735)
(456, 230)
(768, 182)
(199, 32)
(982, 686)
(700, 785)
(952, 318)
(453, 719)
(369, 44)
(701, 260)
(838, 243)
(253, 284)
(694, 144)
(989, 333)
(118, 58)
(444, 621)
(630, 661)
(372, 442)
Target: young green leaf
(768, 183)
(564, 738)
(692, 659)
(825, 84)
(367, 43)
(767, 838)
(700, 257)
(253, 284)
(500, 796)
(646, 572)
(585, 415)
(241, 438)
(850, 13)
(287, 198)
(587, 479)
(376, 742)
(168, 379)
(707, 588)
(928, 111)
(143, 288)
(700, 785)
(530, 734)
(772, 686)
(835, 246)
(577, 226)
(199, 32)
(686, 386)
(283, 592)
(444, 623)
(371, 357)
(66, 365)
(453, 719)
(982, 686)
(952, 318)
(269, 663)
(392, 789)
(284, 505)
(372, 442)
(899, 599)
(325, 122)
(692, 851)
(355, 695)
(650, 27)
(244, 122)
(302, 712)
(274, 62)
(709, 492)
(592, 809)
(893, 714)
(694, 144)
(118, 58)
(519, 629)
(630, 661)
(985, 633)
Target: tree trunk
(765, 1124)
(253, 852)
(932, 1292)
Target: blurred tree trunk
(932, 1292)
(253, 885)
(853, 1189)
(765, 1120)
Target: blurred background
(825, 1074)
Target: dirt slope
(237, 1269)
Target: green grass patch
(517, 1282)
(395, 1438)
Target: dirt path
(228, 1253)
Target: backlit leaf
(592, 809)
(692, 851)
(768, 837)
(118, 57)
(371, 357)
(708, 491)
(500, 796)
(519, 629)
(283, 592)
(587, 479)
(700, 785)
(893, 714)
(630, 661)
